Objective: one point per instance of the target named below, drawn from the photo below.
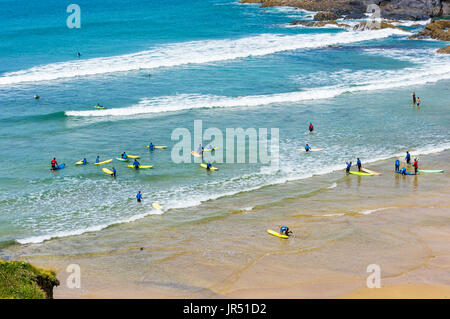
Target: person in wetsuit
(408, 158)
(151, 146)
(307, 148)
(414, 97)
(349, 165)
(358, 163)
(54, 164)
(397, 165)
(284, 230)
(136, 164)
(139, 197)
(311, 127)
(416, 165)
(208, 166)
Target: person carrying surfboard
(349, 165)
(307, 148)
(136, 164)
(397, 164)
(311, 127)
(54, 163)
(408, 158)
(416, 165)
(139, 197)
(284, 230)
(358, 163)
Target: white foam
(198, 52)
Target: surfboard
(360, 173)
(107, 171)
(157, 206)
(80, 163)
(212, 167)
(133, 156)
(100, 107)
(311, 150)
(141, 166)
(407, 173)
(61, 166)
(210, 149)
(431, 170)
(157, 146)
(370, 171)
(274, 233)
(195, 154)
(122, 159)
(104, 162)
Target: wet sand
(341, 225)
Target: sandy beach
(400, 223)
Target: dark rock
(444, 50)
(325, 16)
(438, 30)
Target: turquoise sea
(227, 64)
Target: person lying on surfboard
(358, 163)
(307, 148)
(136, 164)
(348, 167)
(284, 230)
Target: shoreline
(417, 265)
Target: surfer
(151, 146)
(403, 171)
(416, 165)
(349, 165)
(358, 163)
(84, 161)
(284, 230)
(408, 158)
(54, 163)
(200, 149)
(307, 148)
(78, 54)
(36, 97)
(97, 160)
(414, 98)
(397, 165)
(139, 197)
(208, 166)
(124, 155)
(136, 164)
(311, 127)
(114, 172)
(418, 101)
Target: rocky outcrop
(438, 30)
(389, 9)
(21, 280)
(444, 50)
(364, 26)
(317, 24)
(325, 16)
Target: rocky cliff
(390, 9)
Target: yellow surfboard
(133, 156)
(360, 174)
(141, 166)
(104, 162)
(158, 146)
(274, 233)
(107, 171)
(79, 163)
(157, 206)
(212, 167)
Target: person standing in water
(416, 165)
(349, 165)
(78, 54)
(418, 101)
(284, 230)
(54, 163)
(358, 163)
(97, 160)
(311, 127)
(114, 172)
(139, 197)
(408, 158)
(307, 148)
(397, 165)
(414, 98)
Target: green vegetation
(21, 280)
